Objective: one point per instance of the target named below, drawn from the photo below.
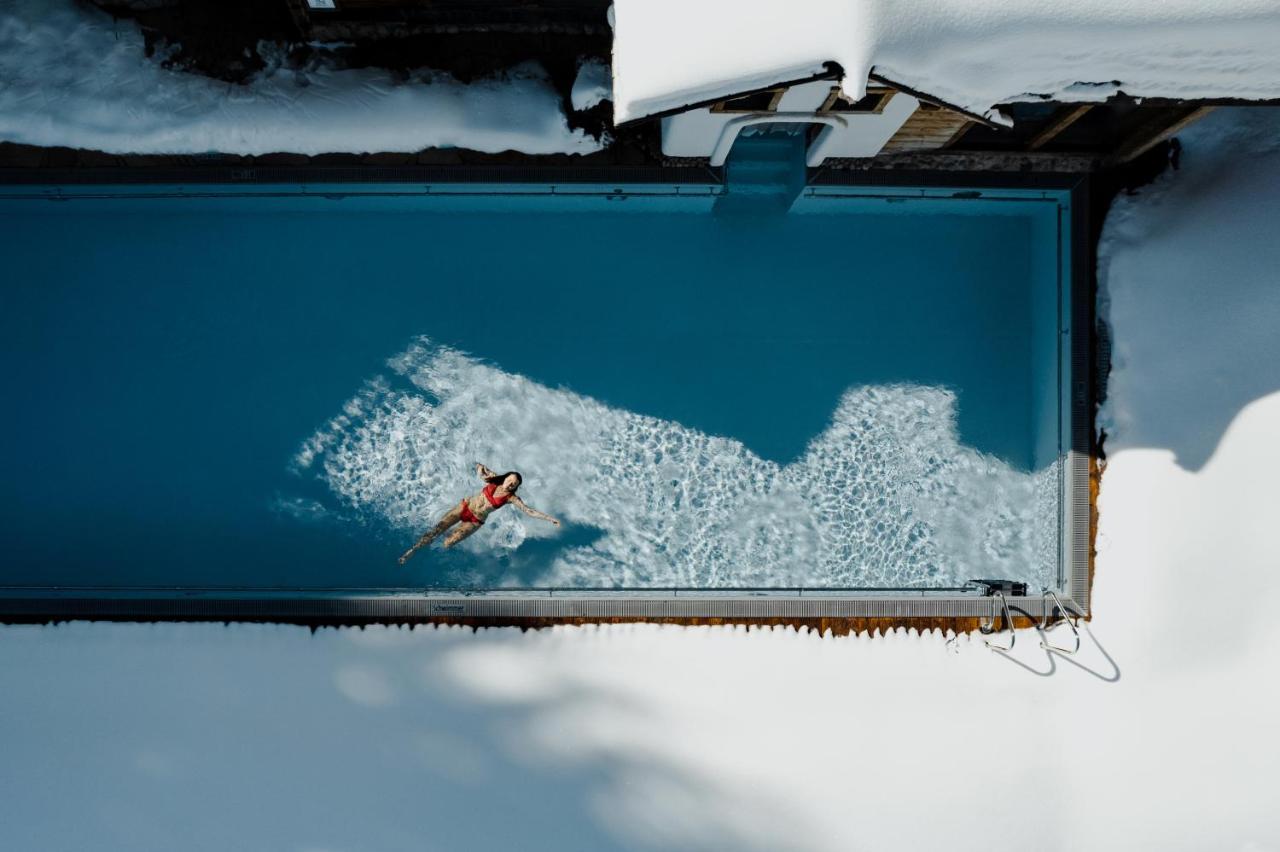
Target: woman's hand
(554, 521)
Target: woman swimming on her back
(469, 515)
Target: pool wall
(1073, 431)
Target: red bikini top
(494, 501)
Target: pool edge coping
(1077, 534)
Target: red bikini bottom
(468, 515)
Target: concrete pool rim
(398, 605)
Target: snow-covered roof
(71, 75)
(972, 53)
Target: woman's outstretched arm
(532, 512)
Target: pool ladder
(1071, 619)
(986, 625)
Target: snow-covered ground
(973, 53)
(71, 76)
(1160, 736)
(591, 86)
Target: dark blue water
(165, 358)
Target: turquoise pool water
(281, 386)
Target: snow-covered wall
(973, 53)
(70, 76)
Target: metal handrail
(1067, 616)
(989, 627)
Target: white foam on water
(301, 508)
(885, 496)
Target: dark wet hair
(500, 478)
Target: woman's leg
(464, 529)
(450, 518)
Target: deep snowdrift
(973, 53)
(70, 76)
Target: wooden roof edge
(928, 98)
(1198, 102)
(1152, 101)
(1139, 99)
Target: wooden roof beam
(1144, 140)
(1057, 126)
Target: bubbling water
(885, 497)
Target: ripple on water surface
(885, 496)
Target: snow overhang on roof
(714, 93)
(670, 55)
(635, 102)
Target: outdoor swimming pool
(281, 386)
